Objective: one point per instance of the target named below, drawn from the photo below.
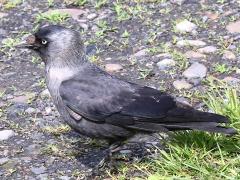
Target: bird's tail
(181, 118)
(184, 119)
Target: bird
(101, 105)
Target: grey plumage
(100, 105)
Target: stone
(10, 164)
(141, 53)
(126, 151)
(30, 110)
(91, 50)
(45, 94)
(178, 2)
(83, 20)
(3, 160)
(238, 71)
(196, 43)
(2, 15)
(108, 59)
(231, 80)
(196, 70)
(185, 26)
(194, 55)
(16, 109)
(26, 159)
(181, 84)
(2, 65)
(228, 13)
(3, 33)
(228, 55)
(84, 26)
(166, 63)
(163, 55)
(42, 177)
(195, 81)
(233, 27)
(150, 65)
(211, 15)
(104, 14)
(113, 67)
(24, 98)
(20, 99)
(91, 16)
(6, 134)
(236, 38)
(2, 104)
(48, 110)
(183, 100)
(207, 50)
(74, 13)
(33, 149)
(9, 96)
(38, 170)
(64, 177)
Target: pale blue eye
(44, 41)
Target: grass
(76, 2)
(10, 42)
(100, 3)
(122, 14)
(144, 73)
(221, 68)
(198, 155)
(53, 17)
(94, 59)
(57, 130)
(10, 4)
(50, 3)
(225, 100)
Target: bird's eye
(44, 41)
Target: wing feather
(115, 103)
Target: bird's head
(55, 44)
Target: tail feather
(202, 126)
(186, 119)
(191, 115)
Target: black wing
(105, 99)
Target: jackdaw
(100, 105)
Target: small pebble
(181, 84)
(140, 53)
(113, 67)
(233, 27)
(166, 63)
(92, 16)
(185, 26)
(38, 170)
(229, 55)
(196, 43)
(196, 70)
(208, 50)
(6, 134)
(194, 55)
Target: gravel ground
(171, 45)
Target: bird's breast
(60, 74)
(55, 76)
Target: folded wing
(136, 107)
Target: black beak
(23, 44)
(28, 42)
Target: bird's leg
(114, 147)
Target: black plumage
(100, 105)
